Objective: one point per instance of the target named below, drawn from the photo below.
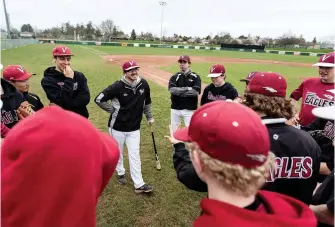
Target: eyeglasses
(132, 70)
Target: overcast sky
(186, 17)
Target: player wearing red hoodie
(54, 175)
(229, 148)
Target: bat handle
(158, 165)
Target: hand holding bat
(158, 163)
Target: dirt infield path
(150, 64)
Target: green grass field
(170, 204)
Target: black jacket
(212, 93)
(34, 100)
(12, 100)
(297, 159)
(297, 156)
(70, 94)
(186, 173)
(322, 131)
(184, 89)
(128, 103)
(325, 195)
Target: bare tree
(107, 27)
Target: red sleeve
(4, 130)
(297, 93)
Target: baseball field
(170, 204)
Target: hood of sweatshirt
(8, 89)
(280, 211)
(55, 174)
(51, 71)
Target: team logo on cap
(20, 69)
(270, 89)
(212, 70)
(325, 57)
(257, 157)
(131, 62)
(64, 49)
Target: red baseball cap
(184, 58)
(268, 84)
(61, 51)
(249, 77)
(229, 132)
(16, 72)
(216, 70)
(128, 65)
(326, 60)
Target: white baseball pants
(176, 116)
(132, 140)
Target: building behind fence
(12, 43)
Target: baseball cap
(268, 84)
(61, 51)
(327, 112)
(249, 77)
(128, 65)
(229, 132)
(184, 58)
(326, 60)
(16, 72)
(216, 70)
(45, 165)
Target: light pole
(7, 19)
(162, 4)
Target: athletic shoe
(145, 188)
(122, 179)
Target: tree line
(107, 30)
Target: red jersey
(314, 94)
(54, 166)
(276, 210)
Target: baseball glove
(25, 110)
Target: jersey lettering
(210, 96)
(314, 100)
(8, 118)
(299, 168)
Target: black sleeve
(108, 93)
(186, 173)
(330, 202)
(148, 95)
(197, 84)
(61, 96)
(83, 98)
(39, 103)
(234, 94)
(172, 82)
(204, 97)
(317, 124)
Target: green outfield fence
(124, 44)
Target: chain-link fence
(11, 43)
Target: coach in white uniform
(130, 98)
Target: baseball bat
(158, 163)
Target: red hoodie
(283, 211)
(4, 130)
(55, 165)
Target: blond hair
(243, 181)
